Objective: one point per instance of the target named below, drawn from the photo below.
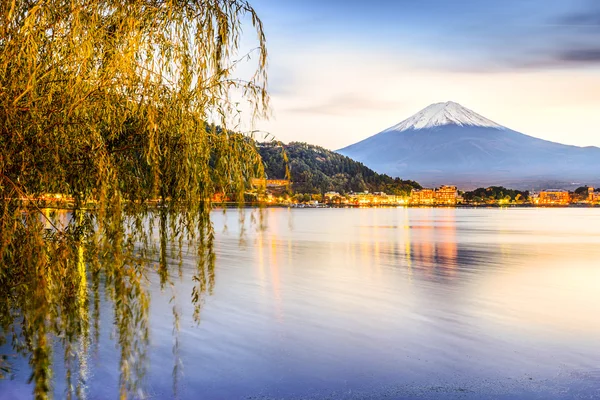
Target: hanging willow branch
(106, 102)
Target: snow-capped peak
(449, 113)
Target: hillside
(314, 169)
(447, 143)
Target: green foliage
(105, 102)
(317, 170)
(495, 194)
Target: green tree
(340, 183)
(105, 102)
(357, 183)
(493, 194)
(308, 162)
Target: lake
(391, 303)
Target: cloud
(346, 104)
(588, 17)
(581, 55)
(572, 43)
(577, 36)
(554, 38)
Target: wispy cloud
(346, 104)
(581, 30)
(587, 17)
(590, 55)
(566, 39)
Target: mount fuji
(447, 143)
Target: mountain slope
(448, 143)
(314, 169)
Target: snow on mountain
(447, 143)
(440, 114)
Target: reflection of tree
(51, 301)
(170, 253)
(108, 109)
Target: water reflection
(430, 269)
(370, 303)
(57, 308)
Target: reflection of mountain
(448, 143)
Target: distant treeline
(494, 194)
(314, 169)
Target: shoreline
(310, 206)
(230, 205)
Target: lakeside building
(270, 183)
(49, 198)
(373, 199)
(395, 199)
(593, 197)
(445, 195)
(422, 196)
(554, 197)
(366, 198)
(219, 197)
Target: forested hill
(314, 169)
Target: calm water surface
(379, 303)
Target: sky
(344, 70)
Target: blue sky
(343, 70)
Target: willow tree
(106, 102)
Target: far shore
(315, 206)
(227, 205)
